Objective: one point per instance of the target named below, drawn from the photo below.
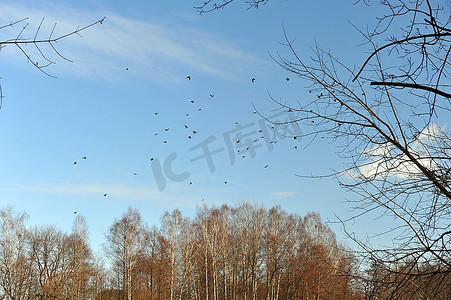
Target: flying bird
(126, 69)
(266, 166)
(75, 162)
(192, 101)
(104, 195)
(186, 126)
(75, 212)
(151, 159)
(188, 77)
(166, 129)
(134, 174)
(253, 79)
(288, 79)
(212, 95)
(225, 182)
(84, 157)
(156, 113)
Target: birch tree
(125, 241)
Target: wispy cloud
(113, 191)
(154, 51)
(282, 195)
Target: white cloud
(282, 195)
(386, 161)
(154, 51)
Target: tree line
(244, 252)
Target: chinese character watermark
(244, 139)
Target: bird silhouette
(156, 113)
(75, 162)
(75, 212)
(194, 131)
(253, 79)
(126, 69)
(192, 101)
(186, 126)
(166, 129)
(288, 79)
(134, 174)
(212, 95)
(104, 195)
(188, 77)
(266, 166)
(84, 157)
(225, 182)
(151, 159)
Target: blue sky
(102, 106)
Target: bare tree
(14, 267)
(389, 122)
(80, 257)
(172, 225)
(47, 252)
(125, 243)
(38, 56)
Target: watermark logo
(242, 141)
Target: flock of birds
(195, 132)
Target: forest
(244, 252)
